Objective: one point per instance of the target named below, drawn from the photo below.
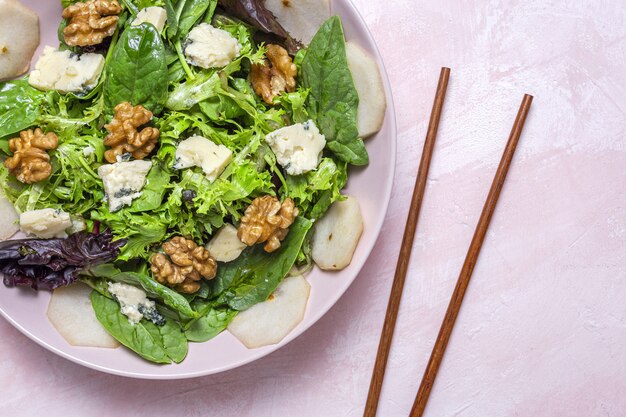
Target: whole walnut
(183, 264)
(30, 162)
(267, 220)
(124, 134)
(90, 22)
(277, 75)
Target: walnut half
(30, 162)
(90, 22)
(276, 76)
(183, 265)
(124, 136)
(267, 220)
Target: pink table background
(542, 331)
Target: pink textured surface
(542, 331)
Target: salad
(185, 160)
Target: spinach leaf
(134, 336)
(170, 336)
(172, 18)
(19, 106)
(137, 71)
(253, 276)
(333, 99)
(192, 12)
(155, 290)
(213, 321)
(210, 12)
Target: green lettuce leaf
(315, 191)
(255, 274)
(159, 344)
(137, 70)
(212, 321)
(19, 108)
(155, 290)
(333, 99)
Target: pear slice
(225, 246)
(268, 323)
(70, 312)
(19, 38)
(301, 18)
(337, 235)
(369, 85)
(8, 219)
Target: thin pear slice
(301, 18)
(225, 245)
(369, 85)
(19, 37)
(70, 312)
(268, 323)
(337, 235)
(8, 218)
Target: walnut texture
(124, 136)
(276, 76)
(267, 220)
(183, 265)
(30, 162)
(90, 22)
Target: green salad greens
(148, 67)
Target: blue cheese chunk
(209, 47)
(65, 71)
(297, 147)
(201, 152)
(123, 182)
(157, 16)
(46, 223)
(134, 303)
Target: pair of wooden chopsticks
(405, 252)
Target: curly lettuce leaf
(315, 191)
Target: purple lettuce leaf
(51, 263)
(254, 13)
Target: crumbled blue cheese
(65, 71)
(154, 15)
(45, 223)
(201, 152)
(210, 47)
(297, 147)
(123, 182)
(133, 301)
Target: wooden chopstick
(470, 261)
(405, 250)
